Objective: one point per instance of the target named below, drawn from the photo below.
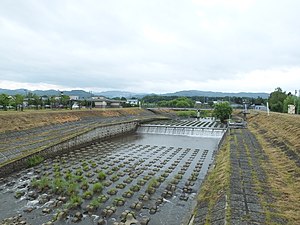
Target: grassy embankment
(216, 183)
(278, 134)
(14, 121)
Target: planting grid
(179, 170)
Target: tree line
(189, 102)
(279, 101)
(19, 102)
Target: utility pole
(298, 102)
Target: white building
(260, 108)
(133, 102)
(74, 98)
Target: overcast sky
(152, 46)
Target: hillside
(191, 93)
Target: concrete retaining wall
(102, 132)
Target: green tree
(182, 104)
(222, 111)
(53, 101)
(276, 100)
(65, 99)
(4, 101)
(290, 100)
(19, 101)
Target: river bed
(161, 174)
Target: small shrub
(95, 203)
(115, 168)
(114, 178)
(56, 168)
(34, 183)
(102, 198)
(178, 176)
(59, 186)
(112, 191)
(72, 189)
(86, 168)
(78, 172)
(84, 164)
(101, 175)
(97, 188)
(110, 172)
(19, 194)
(119, 201)
(84, 185)
(34, 160)
(87, 195)
(44, 183)
(153, 183)
(78, 178)
(74, 202)
(135, 188)
(69, 176)
(57, 174)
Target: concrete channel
(161, 164)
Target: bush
(222, 111)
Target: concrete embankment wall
(101, 132)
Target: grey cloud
(122, 44)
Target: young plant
(78, 172)
(86, 168)
(74, 202)
(84, 185)
(97, 187)
(95, 203)
(101, 175)
(59, 186)
(135, 188)
(72, 189)
(112, 191)
(87, 195)
(114, 178)
(34, 160)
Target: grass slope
(279, 136)
(14, 121)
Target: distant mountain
(113, 94)
(191, 93)
(80, 93)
